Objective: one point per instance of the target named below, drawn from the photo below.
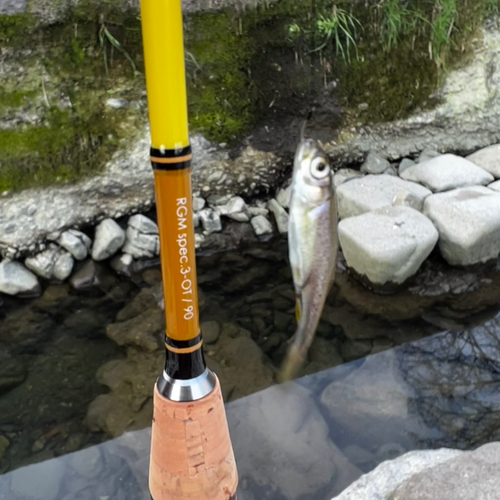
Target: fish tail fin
(292, 364)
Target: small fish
(312, 241)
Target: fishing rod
(191, 452)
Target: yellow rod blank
(165, 73)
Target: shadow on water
(386, 373)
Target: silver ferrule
(191, 389)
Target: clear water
(387, 374)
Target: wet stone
(405, 164)
(281, 320)
(210, 220)
(344, 175)
(43, 263)
(283, 196)
(210, 331)
(261, 225)
(87, 276)
(12, 373)
(63, 266)
(280, 216)
(123, 264)
(140, 245)
(374, 164)
(143, 224)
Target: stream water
(416, 368)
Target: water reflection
(310, 439)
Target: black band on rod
(185, 366)
(170, 153)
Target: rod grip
(191, 453)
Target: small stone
(86, 277)
(16, 279)
(254, 211)
(116, 103)
(210, 220)
(210, 331)
(344, 175)
(63, 266)
(405, 164)
(198, 240)
(390, 171)
(140, 245)
(122, 264)
(217, 199)
(426, 155)
(82, 236)
(446, 172)
(215, 176)
(196, 220)
(109, 238)
(74, 244)
(143, 224)
(374, 164)
(198, 203)
(43, 263)
(235, 209)
(280, 215)
(487, 158)
(283, 196)
(261, 225)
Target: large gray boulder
(445, 172)
(442, 474)
(380, 483)
(388, 244)
(488, 158)
(468, 221)
(376, 191)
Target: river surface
(387, 373)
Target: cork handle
(191, 453)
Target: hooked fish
(312, 242)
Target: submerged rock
(16, 279)
(387, 245)
(109, 238)
(468, 221)
(488, 158)
(376, 191)
(446, 172)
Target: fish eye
(319, 168)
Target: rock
(235, 209)
(390, 171)
(270, 417)
(109, 238)
(387, 245)
(210, 331)
(370, 404)
(140, 245)
(488, 158)
(198, 203)
(16, 279)
(283, 196)
(446, 172)
(254, 211)
(63, 266)
(468, 221)
(87, 276)
(381, 483)
(123, 264)
(43, 263)
(375, 191)
(261, 225)
(359, 456)
(12, 373)
(87, 462)
(75, 244)
(374, 164)
(280, 215)
(82, 236)
(351, 350)
(344, 175)
(427, 154)
(470, 475)
(143, 224)
(143, 331)
(38, 482)
(210, 220)
(405, 164)
(116, 103)
(495, 186)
